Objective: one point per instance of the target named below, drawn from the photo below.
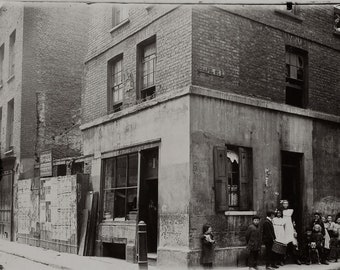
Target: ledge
(261, 103)
(119, 25)
(11, 78)
(217, 94)
(289, 15)
(240, 213)
(136, 108)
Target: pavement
(60, 260)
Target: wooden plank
(92, 226)
(83, 232)
(88, 206)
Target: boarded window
(233, 178)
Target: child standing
(253, 239)
(208, 244)
(318, 238)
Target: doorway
(148, 199)
(292, 183)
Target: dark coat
(207, 250)
(318, 238)
(253, 237)
(268, 234)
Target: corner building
(209, 114)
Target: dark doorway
(148, 203)
(292, 181)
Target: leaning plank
(83, 232)
(92, 228)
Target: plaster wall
(216, 122)
(168, 122)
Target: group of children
(319, 244)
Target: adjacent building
(42, 50)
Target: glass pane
(132, 203)
(149, 50)
(119, 207)
(151, 79)
(108, 202)
(300, 61)
(121, 171)
(293, 72)
(109, 173)
(133, 170)
(145, 82)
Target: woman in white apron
(279, 229)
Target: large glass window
(120, 186)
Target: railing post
(142, 246)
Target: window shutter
(245, 179)
(220, 174)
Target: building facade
(42, 49)
(196, 115)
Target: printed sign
(46, 164)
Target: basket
(279, 248)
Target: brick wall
(252, 54)
(173, 42)
(54, 52)
(11, 18)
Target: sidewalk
(67, 261)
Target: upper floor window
(120, 14)
(233, 178)
(116, 87)
(2, 55)
(0, 131)
(337, 18)
(11, 53)
(147, 69)
(10, 123)
(296, 76)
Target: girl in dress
(279, 229)
(290, 233)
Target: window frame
(115, 106)
(148, 91)
(119, 16)
(126, 188)
(295, 84)
(244, 192)
(11, 58)
(2, 60)
(10, 125)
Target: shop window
(115, 81)
(296, 77)
(120, 187)
(233, 178)
(120, 15)
(147, 69)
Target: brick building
(209, 114)
(42, 50)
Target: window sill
(336, 33)
(10, 78)
(119, 25)
(118, 223)
(240, 213)
(289, 15)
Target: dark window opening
(114, 250)
(296, 77)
